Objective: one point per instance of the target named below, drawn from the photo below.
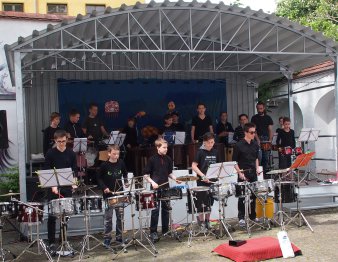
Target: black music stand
(58, 178)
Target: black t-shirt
(110, 175)
(179, 127)
(204, 158)
(74, 129)
(262, 124)
(286, 138)
(48, 138)
(239, 133)
(221, 127)
(245, 154)
(57, 159)
(159, 168)
(93, 126)
(131, 136)
(201, 126)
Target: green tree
(320, 15)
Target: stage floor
(317, 246)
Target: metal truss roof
(175, 37)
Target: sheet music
(179, 138)
(308, 134)
(120, 139)
(221, 170)
(56, 177)
(80, 145)
(113, 137)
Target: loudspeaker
(3, 130)
(34, 192)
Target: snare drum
(146, 200)
(91, 203)
(288, 192)
(287, 151)
(221, 191)
(8, 209)
(264, 186)
(298, 150)
(201, 197)
(27, 214)
(169, 193)
(118, 201)
(266, 146)
(62, 206)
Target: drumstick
(163, 184)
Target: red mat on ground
(254, 249)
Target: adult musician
(263, 124)
(93, 126)
(239, 130)
(223, 128)
(109, 179)
(246, 155)
(157, 172)
(72, 127)
(285, 138)
(59, 157)
(205, 156)
(48, 133)
(200, 124)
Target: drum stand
(280, 214)
(172, 231)
(87, 237)
(134, 241)
(65, 248)
(222, 203)
(2, 250)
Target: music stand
(308, 135)
(112, 138)
(221, 170)
(169, 137)
(179, 138)
(301, 161)
(80, 145)
(58, 178)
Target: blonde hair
(159, 142)
(113, 147)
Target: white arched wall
(325, 120)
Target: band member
(223, 128)
(109, 179)
(157, 171)
(280, 121)
(59, 157)
(205, 156)
(200, 124)
(285, 138)
(263, 124)
(239, 131)
(72, 127)
(168, 125)
(48, 133)
(130, 130)
(93, 126)
(176, 121)
(246, 156)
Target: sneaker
(258, 220)
(154, 237)
(242, 223)
(106, 243)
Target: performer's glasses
(61, 141)
(252, 132)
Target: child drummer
(157, 171)
(285, 138)
(109, 179)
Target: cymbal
(187, 178)
(278, 171)
(9, 194)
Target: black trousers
(164, 216)
(251, 177)
(284, 161)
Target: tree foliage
(320, 15)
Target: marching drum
(269, 207)
(201, 199)
(146, 200)
(62, 206)
(222, 191)
(91, 203)
(264, 186)
(266, 146)
(8, 209)
(288, 192)
(169, 193)
(27, 214)
(118, 201)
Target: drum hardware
(38, 240)
(87, 211)
(2, 250)
(134, 241)
(10, 194)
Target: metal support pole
(290, 99)
(20, 106)
(336, 106)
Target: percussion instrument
(266, 146)
(239, 188)
(27, 214)
(298, 150)
(221, 191)
(287, 151)
(62, 206)
(118, 201)
(10, 194)
(8, 209)
(201, 199)
(287, 192)
(146, 200)
(169, 193)
(269, 207)
(89, 203)
(187, 178)
(264, 186)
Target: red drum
(298, 151)
(266, 146)
(287, 151)
(27, 214)
(146, 200)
